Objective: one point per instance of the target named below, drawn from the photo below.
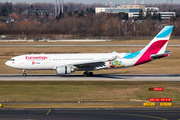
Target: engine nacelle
(61, 70)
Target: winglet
(114, 58)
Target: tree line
(102, 24)
(81, 20)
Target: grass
(85, 105)
(69, 105)
(89, 91)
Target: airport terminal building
(133, 10)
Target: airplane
(68, 63)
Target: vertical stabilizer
(156, 46)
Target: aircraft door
(21, 61)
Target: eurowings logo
(36, 58)
(33, 63)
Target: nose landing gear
(24, 73)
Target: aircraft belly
(129, 62)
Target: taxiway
(97, 77)
(91, 114)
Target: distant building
(38, 12)
(133, 10)
(153, 9)
(10, 19)
(134, 7)
(115, 10)
(100, 9)
(167, 15)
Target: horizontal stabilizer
(157, 56)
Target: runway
(91, 114)
(79, 45)
(97, 77)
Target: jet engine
(61, 70)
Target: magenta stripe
(153, 49)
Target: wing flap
(89, 63)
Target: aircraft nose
(7, 63)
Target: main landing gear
(24, 73)
(88, 74)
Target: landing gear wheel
(91, 74)
(85, 74)
(24, 74)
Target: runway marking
(31, 112)
(48, 112)
(143, 116)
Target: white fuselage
(51, 61)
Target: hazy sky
(96, 1)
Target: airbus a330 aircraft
(68, 63)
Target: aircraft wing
(90, 63)
(94, 63)
(157, 56)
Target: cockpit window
(12, 60)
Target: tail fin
(156, 46)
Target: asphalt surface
(91, 114)
(97, 77)
(78, 45)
